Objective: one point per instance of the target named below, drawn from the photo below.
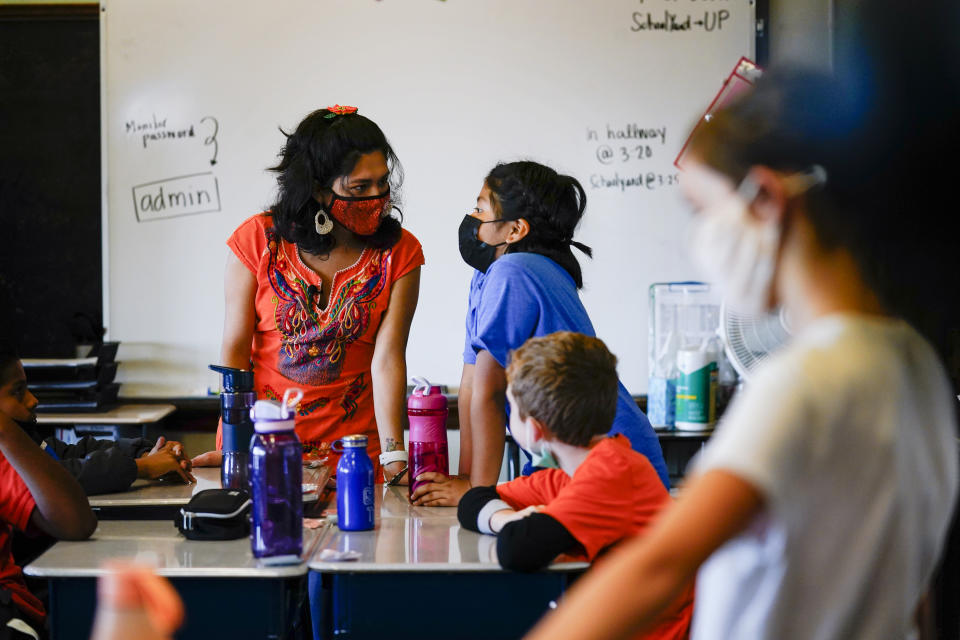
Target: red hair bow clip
(339, 110)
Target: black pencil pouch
(215, 514)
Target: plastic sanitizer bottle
(276, 482)
(696, 388)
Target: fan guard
(749, 338)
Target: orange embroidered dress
(326, 353)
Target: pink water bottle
(427, 410)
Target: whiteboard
(194, 93)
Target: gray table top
(157, 542)
(406, 538)
(411, 539)
(123, 414)
(154, 493)
(159, 493)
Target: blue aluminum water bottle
(276, 481)
(355, 503)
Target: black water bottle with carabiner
(236, 400)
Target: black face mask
(475, 252)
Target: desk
(679, 448)
(162, 500)
(427, 576)
(153, 499)
(125, 415)
(227, 593)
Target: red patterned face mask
(360, 215)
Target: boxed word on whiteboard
(179, 196)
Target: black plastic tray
(59, 402)
(48, 376)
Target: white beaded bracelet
(393, 456)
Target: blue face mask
(540, 455)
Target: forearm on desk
(132, 447)
(106, 470)
(472, 505)
(529, 543)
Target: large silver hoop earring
(324, 226)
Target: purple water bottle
(355, 502)
(427, 411)
(276, 482)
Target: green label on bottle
(696, 395)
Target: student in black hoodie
(100, 466)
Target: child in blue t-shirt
(519, 238)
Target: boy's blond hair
(568, 382)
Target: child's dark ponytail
(581, 196)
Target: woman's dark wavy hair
(319, 151)
(552, 204)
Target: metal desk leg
(513, 459)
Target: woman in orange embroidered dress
(322, 288)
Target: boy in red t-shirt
(595, 491)
(36, 494)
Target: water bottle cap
(354, 441)
(693, 358)
(272, 426)
(269, 416)
(426, 396)
(234, 380)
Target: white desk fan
(748, 338)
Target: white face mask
(738, 252)
(540, 454)
(735, 251)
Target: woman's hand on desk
(208, 459)
(440, 490)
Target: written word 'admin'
(180, 196)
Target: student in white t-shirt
(819, 508)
